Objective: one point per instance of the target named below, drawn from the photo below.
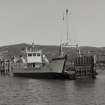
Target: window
(34, 54)
(29, 55)
(38, 54)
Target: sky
(41, 21)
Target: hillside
(49, 51)
(17, 50)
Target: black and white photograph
(52, 52)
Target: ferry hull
(55, 70)
(44, 75)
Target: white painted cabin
(33, 57)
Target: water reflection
(84, 92)
(22, 91)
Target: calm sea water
(21, 91)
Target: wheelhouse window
(34, 54)
(38, 54)
(29, 55)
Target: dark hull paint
(45, 75)
(55, 70)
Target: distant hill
(17, 50)
(49, 50)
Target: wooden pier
(4, 67)
(84, 67)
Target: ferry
(34, 64)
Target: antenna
(33, 44)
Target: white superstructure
(34, 56)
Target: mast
(68, 40)
(66, 20)
(60, 49)
(67, 26)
